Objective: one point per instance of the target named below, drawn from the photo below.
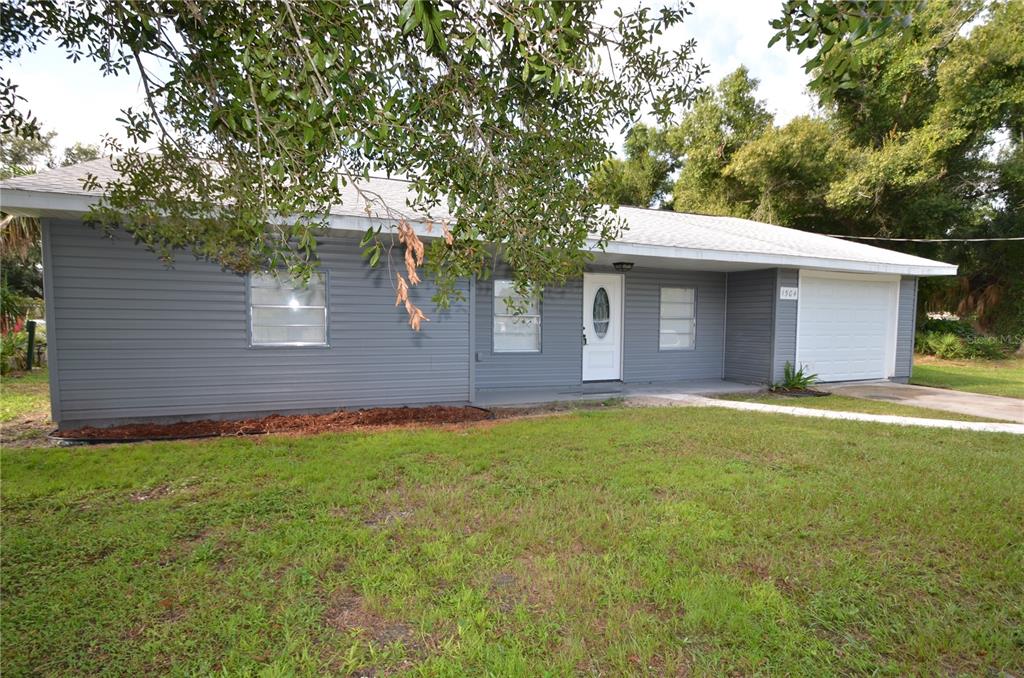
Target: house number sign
(789, 293)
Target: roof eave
(782, 260)
(53, 204)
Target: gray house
(679, 298)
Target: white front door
(602, 326)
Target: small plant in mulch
(796, 382)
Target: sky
(76, 101)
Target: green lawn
(850, 404)
(994, 377)
(23, 393)
(660, 541)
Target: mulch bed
(339, 420)
(799, 392)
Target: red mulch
(339, 420)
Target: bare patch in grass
(759, 569)
(393, 505)
(162, 490)
(385, 517)
(151, 493)
(29, 430)
(348, 613)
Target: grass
(850, 404)
(23, 393)
(993, 377)
(657, 541)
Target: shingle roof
(68, 181)
(732, 234)
(656, 230)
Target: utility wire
(868, 237)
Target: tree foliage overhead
(262, 109)
(835, 30)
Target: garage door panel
(846, 327)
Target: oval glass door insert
(602, 312)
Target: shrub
(948, 346)
(988, 348)
(794, 379)
(13, 348)
(960, 328)
(951, 346)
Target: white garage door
(846, 326)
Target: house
(704, 298)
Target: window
(678, 321)
(602, 313)
(283, 312)
(515, 332)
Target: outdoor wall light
(623, 266)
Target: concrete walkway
(701, 401)
(959, 402)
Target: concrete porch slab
(606, 390)
(959, 402)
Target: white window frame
(693, 319)
(500, 310)
(253, 343)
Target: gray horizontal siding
(559, 362)
(135, 340)
(643, 361)
(784, 333)
(749, 325)
(558, 367)
(905, 328)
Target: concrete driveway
(960, 402)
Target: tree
(790, 170)
(79, 152)
(938, 174)
(834, 30)
(643, 178)
(925, 89)
(722, 121)
(20, 155)
(19, 236)
(262, 111)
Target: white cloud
(734, 33)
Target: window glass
(284, 312)
(602, 312)
(516, 326)
(678, 318)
